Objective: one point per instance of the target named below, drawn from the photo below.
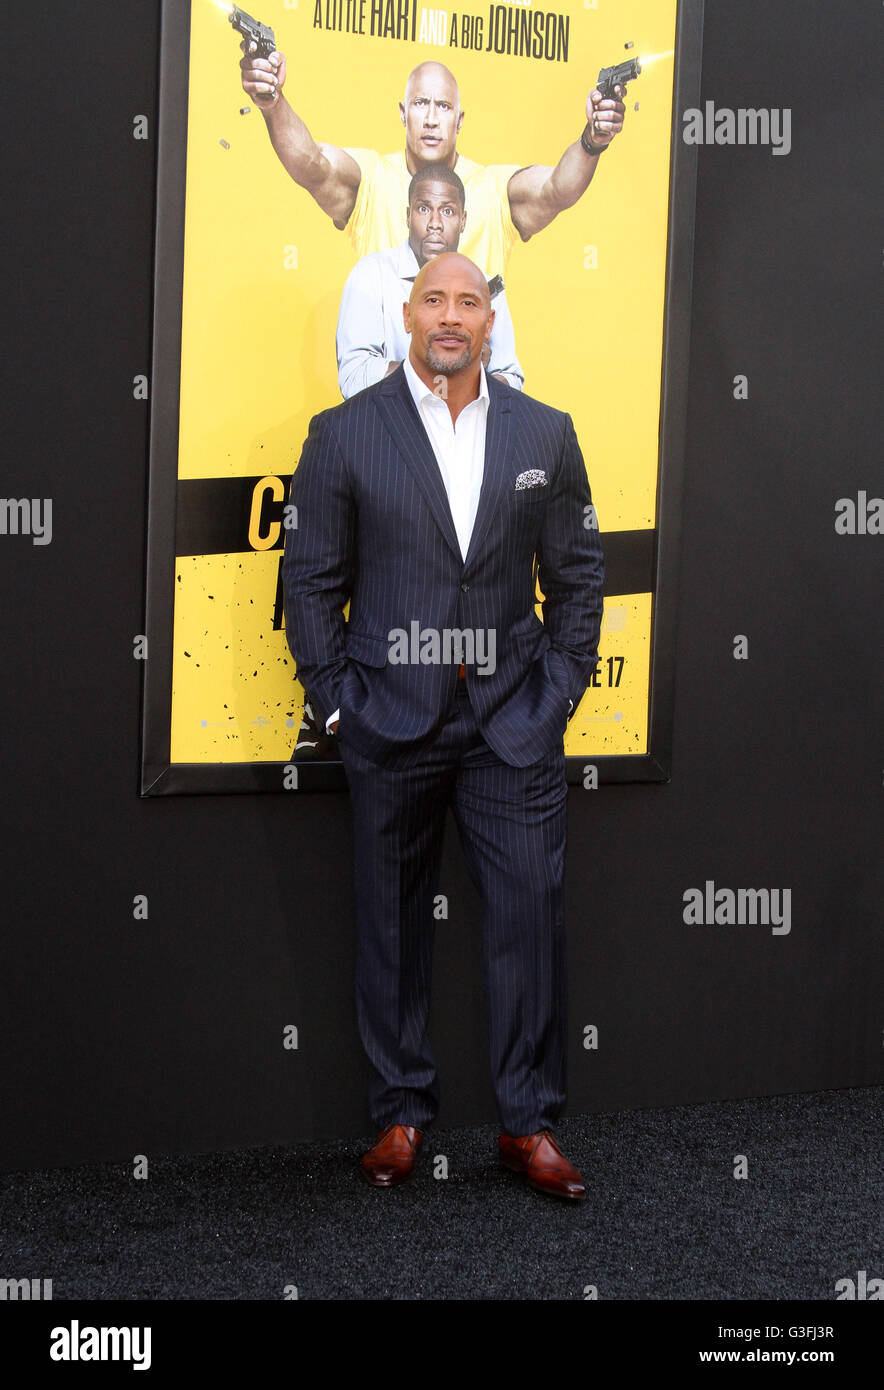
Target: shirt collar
(420, 390)
(406, 261)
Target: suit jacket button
(465, 587)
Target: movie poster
(264, 320)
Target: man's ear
(463, 221)
(402, 112)
(406, 316)
(459, 122)
(490, 326)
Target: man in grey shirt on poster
(371, 336)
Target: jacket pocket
(368, 651)
(531, 643)
(529, 496)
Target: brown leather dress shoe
(547, 1168)
(391, 1158)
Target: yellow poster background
(263, 272)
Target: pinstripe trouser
(511, 822)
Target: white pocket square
(535, 477)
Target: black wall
(120, 1036)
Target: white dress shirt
(371, 333)
(459, 448)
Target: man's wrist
(590, 149)
(270, 108)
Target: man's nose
(451, 312)
(434, 221)
(431, 117)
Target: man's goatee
(436, 364)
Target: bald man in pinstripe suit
(434, 501)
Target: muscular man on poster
(433, 501)
(371, 339)
(363, 191)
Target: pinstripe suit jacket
(374, 526)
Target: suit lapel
(395, 403)
(400, 414)
(494, 476)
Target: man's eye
(449, 212)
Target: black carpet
(664, 1216)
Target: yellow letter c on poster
(275, 487)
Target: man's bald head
(431, 115)
(451, 266)
(449, 317)
(431, 74)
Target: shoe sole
(544, 1191)
(392, 1182)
